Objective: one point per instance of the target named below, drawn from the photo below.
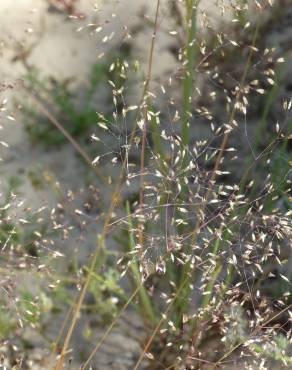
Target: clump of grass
(206, 230)
(212, 238)
(199, 243)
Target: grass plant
(194, 242)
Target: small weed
(76, 111)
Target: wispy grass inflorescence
(201, 245)
(193, 189)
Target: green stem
(189, 68)
(216, 271)
(262, 125)
(147, 308)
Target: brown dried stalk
(114, 201)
